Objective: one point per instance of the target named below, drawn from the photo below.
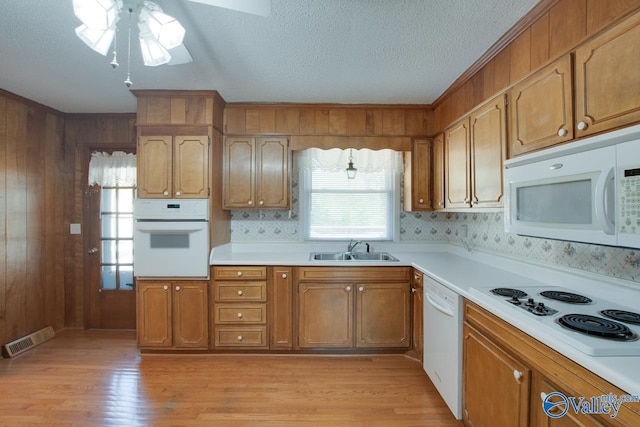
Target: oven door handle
(441, 308)
(170, 228)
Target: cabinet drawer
(241, 313)
(241, 336)
(355, 274)
(240, 291)
(239, 273)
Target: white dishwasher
(443, 342)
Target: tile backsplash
(484, 231)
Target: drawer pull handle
(239, 337)
(239, 315)
(284, 275)
(240, 293)
(239, 273)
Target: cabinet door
(496, 386)
(607, 81)
(191, 167)
(540, 388)
(272, 173)
(281, 308)
(457, 167)
(154, 314)
(541, 109)
(420, 179)
(383, 315)
(190, 315)
(488, 151)
(418, 318)
(325, 313)
(239, 173)
(154, 159)
(438, 172)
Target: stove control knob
(514, 299)
(530, 302)
(540, 307)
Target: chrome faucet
(352, 245)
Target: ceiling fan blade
(254, 7)
(179, 55)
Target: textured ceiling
(337, 51)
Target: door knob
(92, 251)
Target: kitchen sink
(351, 256)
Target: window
(337, 208)
(116, 264)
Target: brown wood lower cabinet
(354, 307)
(172, 314)
(507, 374)
(417, 290)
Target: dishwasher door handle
(441, 308)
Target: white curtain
(109, 170)
(336, 159)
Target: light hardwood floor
(98, 378)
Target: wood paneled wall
(31, 217)
(84, 133)
(558, 30)
(334, 120)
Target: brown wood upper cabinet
(438, 172)
(173, 167)
(417, 177)
(475, 149)
(541, 109)
(256, 173)
(172, 314)
(606, 79)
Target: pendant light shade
(165, 29)
(351, 171)
(153, 53)
(97, 14)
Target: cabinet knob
(413, 290)
(250, 202)
(284, 275)
(555, 410)
(239, 315)
(416, 277)
(239, 273)
(261, 202)
(562, 132)
(165, 287)
(166, 193)
(421, 200)
(348, 288)
(239, 337)
(440, 204)
(361, 288)
(177, 288)
(517, 375)
(178, 193)
(582, 125)
(240, 293)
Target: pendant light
(351, 171)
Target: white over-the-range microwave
(585, 191)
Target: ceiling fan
(160, 34)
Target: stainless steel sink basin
(351, 256)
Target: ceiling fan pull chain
(128, 81)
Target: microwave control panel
(628, 197)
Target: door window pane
(117, 238)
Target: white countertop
(461, 270)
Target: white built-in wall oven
(171, 238)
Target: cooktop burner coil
(622, 316)
(567, 297)
(508, 292)
(597, 326)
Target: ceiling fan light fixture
(153, 53)
(166, 29)
(97, 14)
(98, 40)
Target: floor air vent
(23, 344)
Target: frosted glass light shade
(166, 29)
(153, 53)
(97, 14)
(98, 40)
